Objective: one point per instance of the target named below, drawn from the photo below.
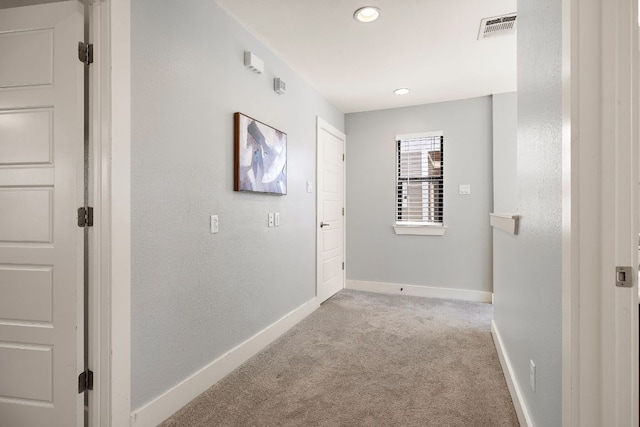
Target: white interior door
(41, 186)
(330, 193)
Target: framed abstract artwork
(260, 157)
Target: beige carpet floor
(365, 359)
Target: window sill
(420, 230)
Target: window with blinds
(420, 179)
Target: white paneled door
(41, 186)
(330, 204)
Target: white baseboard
(524, 417)
(419, 291)
(165, 405)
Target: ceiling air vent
(497, 26)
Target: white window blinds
(420, 179)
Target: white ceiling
(429, 46)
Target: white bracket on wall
(505, 222)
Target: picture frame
(260, 157)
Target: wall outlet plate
(464, 189)
(271, 219)
(276, 218)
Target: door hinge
(85, 217)
(343, 265)
(85, 53)
(85, 381)
(342, 211)
(343, 157)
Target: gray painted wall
(528, 285)
(507, 281)
(505, 197)
(505, 132)
(461, 258)
(196, 295)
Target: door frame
(98, 251)
(110, 188)
(323, 124)
(600, 212)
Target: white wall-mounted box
(253, 63)
(505, 222)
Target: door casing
(109, 187)
(600, 212)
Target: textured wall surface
(528, 298)
(461, 258)
(196, 295)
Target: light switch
(309, 187)
(271, 220)
(277, 219)
(464, 189)
(214, 224)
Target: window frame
(417, 227)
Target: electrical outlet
(464, 189)
(532, 375)
(271, 220)
(214, 224)
(277, 219)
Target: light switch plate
(277, 219)
(309, 187)
(464, 189)
(271, 220)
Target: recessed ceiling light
(367, 14)
(401, 91)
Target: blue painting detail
(262, 157)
